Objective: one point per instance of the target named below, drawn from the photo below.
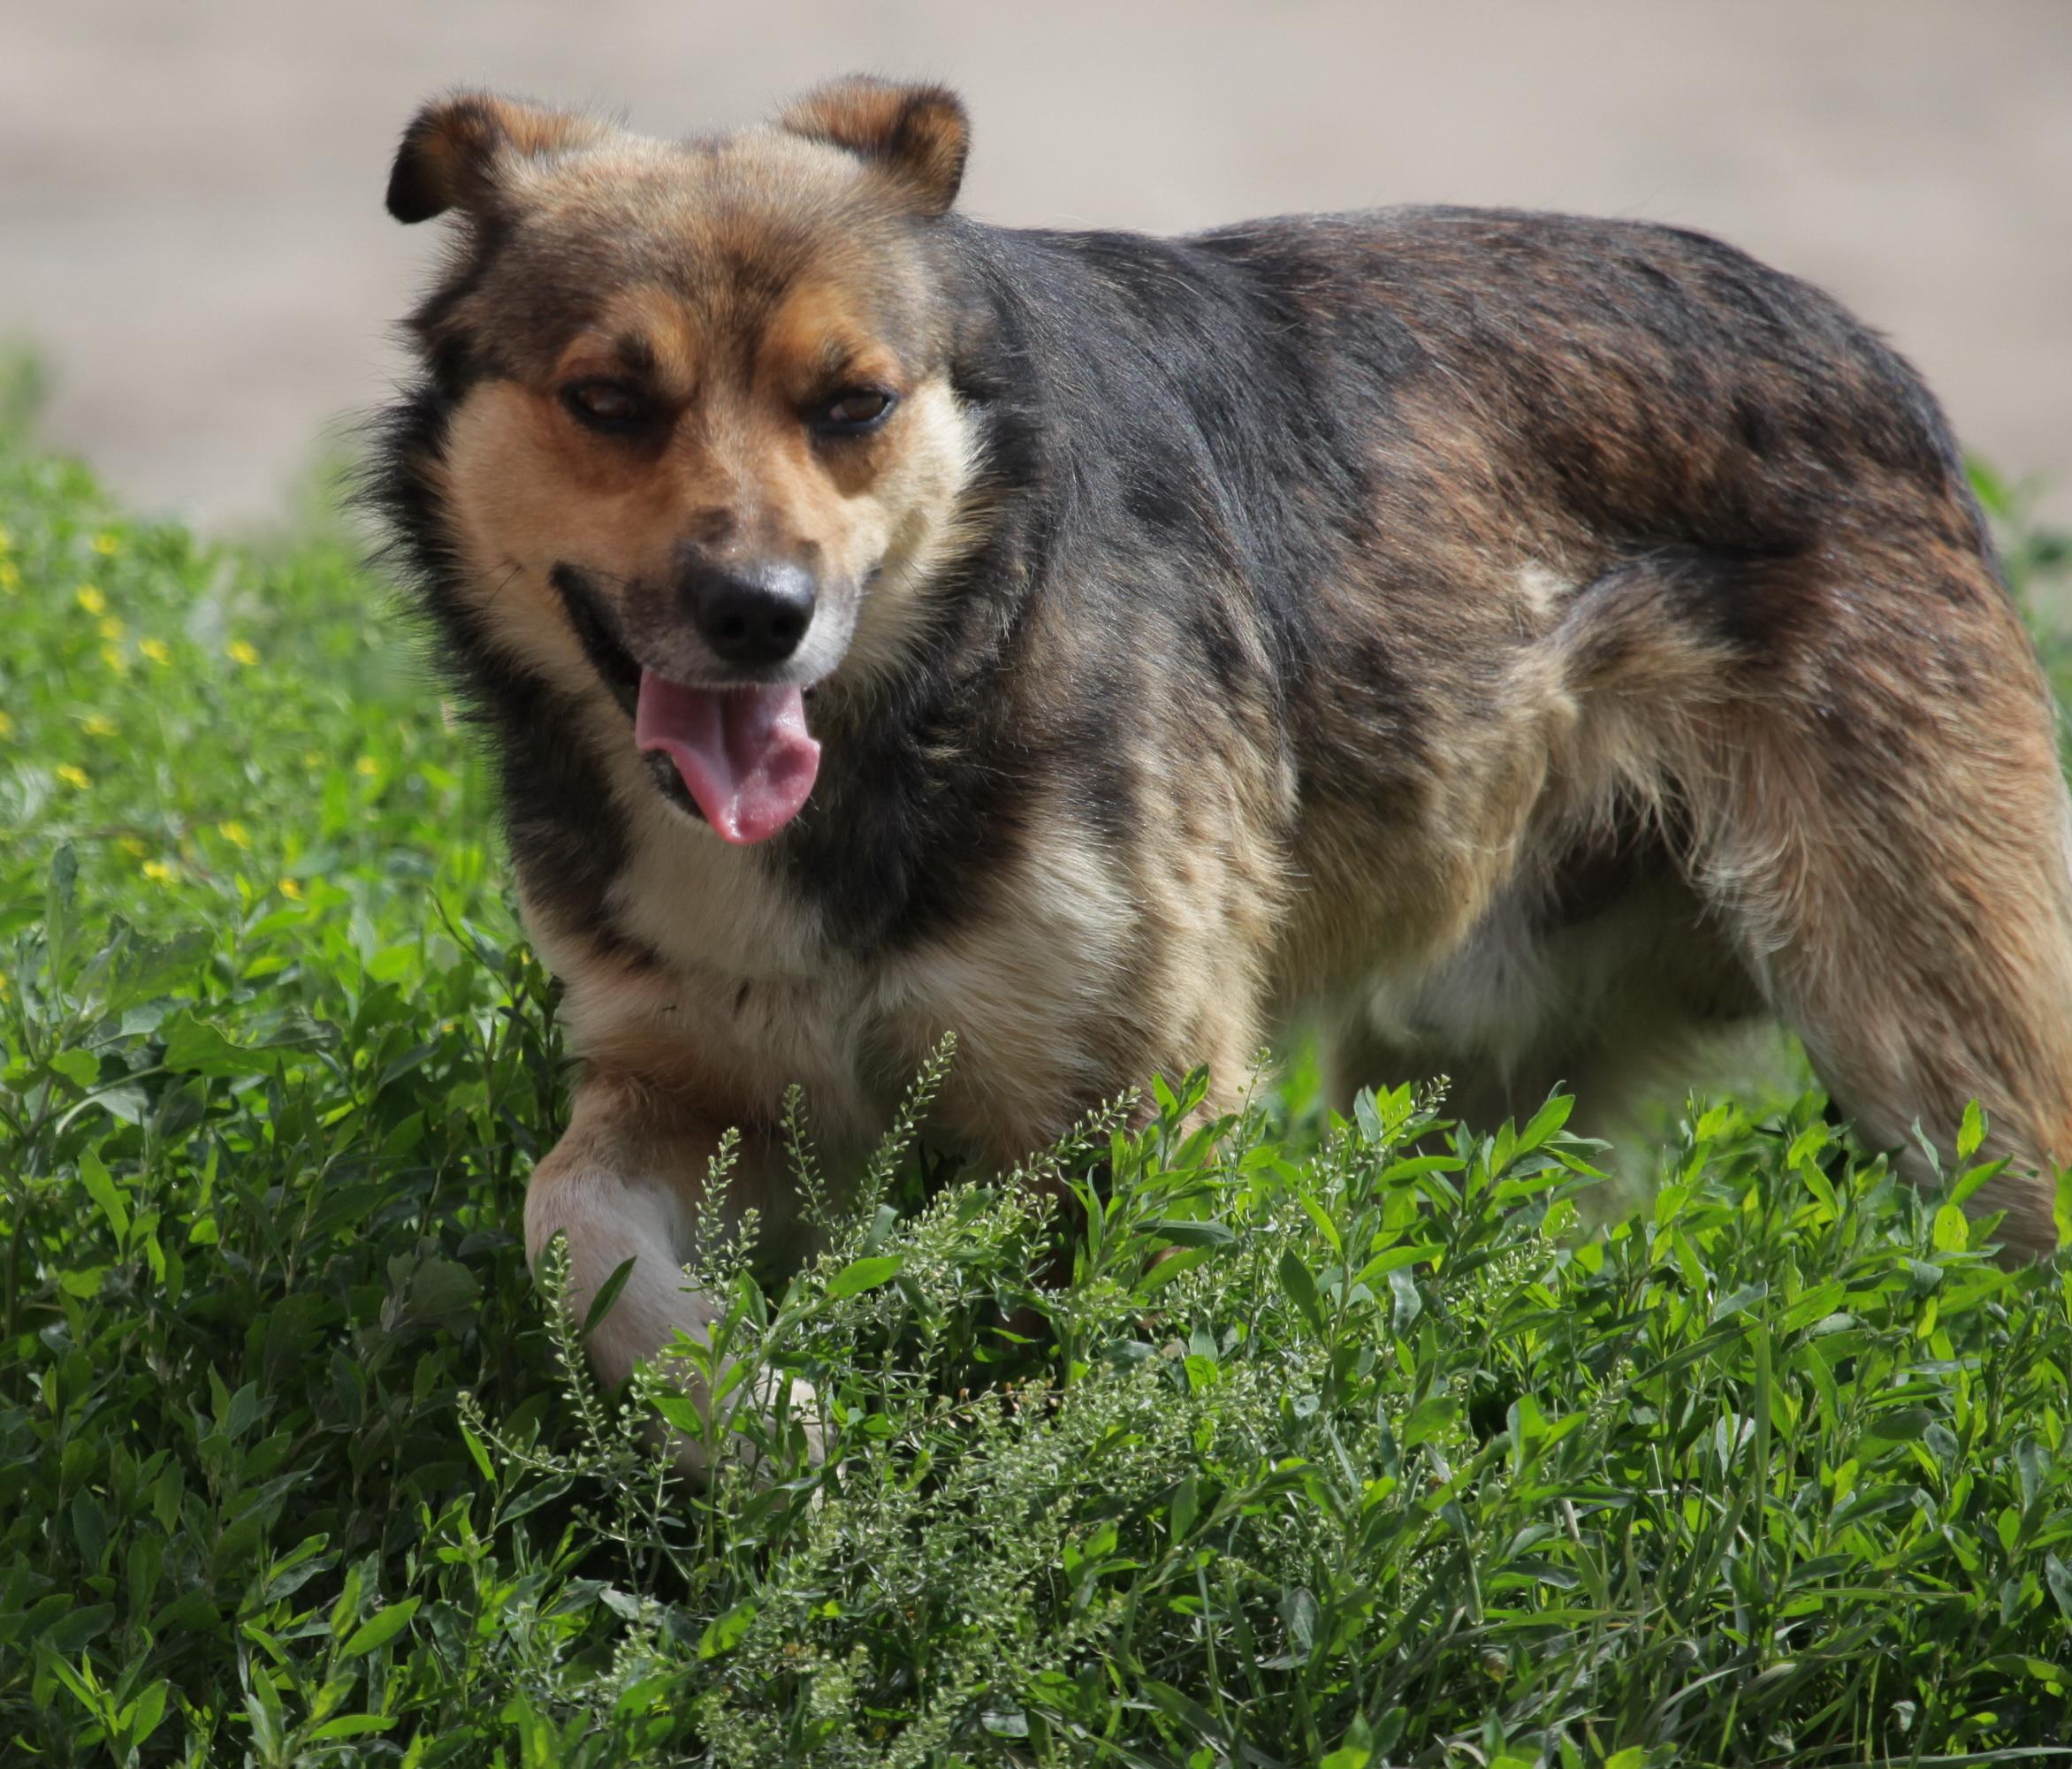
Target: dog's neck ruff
(743, 753)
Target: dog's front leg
(627, 1181)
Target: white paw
(694, 1455)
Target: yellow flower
(10, 577)
(290, 889)
(6, 726)
(99, 726)
(73, 775)
(156, 650)
(311, 758)
(366, 766)
(106, 545)
(235, 834)
(114, 659)
(133, 847)
(111, 628)
(91, 599)
(241, 650)
(158, 872)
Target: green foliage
(1322, 1441)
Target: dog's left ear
(458, 151)
(916, 134)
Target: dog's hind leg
(626, 1182)
(1877, 813)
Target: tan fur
(529, 486)
(917, 134)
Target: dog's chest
(736, 991)
(740, 990)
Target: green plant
(1280, 1438)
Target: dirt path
(190, 196)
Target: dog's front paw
(724, 1436)
(801, 1411)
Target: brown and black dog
(1519, 640)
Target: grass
(1388, 1460)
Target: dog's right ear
(457, 151)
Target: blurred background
(190, 194)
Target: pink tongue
(744, 752)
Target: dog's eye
(853, 412)
(604, 404)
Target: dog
(1518, 643)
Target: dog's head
(697, 451)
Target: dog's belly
(1532, 998)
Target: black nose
(749, 614)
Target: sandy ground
(190, 193)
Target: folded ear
(457, 150)
(918, 135)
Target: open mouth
(738, 755)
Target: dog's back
(1578, 633)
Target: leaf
(1417, 1253)
(1185, 1233)
(1971, 1132)
(681, 1410)
(1325, 1226)
(381, 1628)
(59, 898)
(441, 1287)
(1742, 1300)
(69, 1633)
(2059, 1578)
(150, 1710)
(1968, 1183)
(1301, 1287)
(128, 1104)
(722, 1631)
(1952, 1232)
(1190, 1714)
(1816, 1183)
(262, 1702)
(1816, 1304)
(1431, 1416)
(195, 1046)
(1899, 1424)
(1299, 1617)
(77, 1067)
(860, 1275)
(1550, 1118)
(1368, 1117)
(1187, 1505)
(600, 1305)
(476, 1451)
(104, 1191)
(1407, 1301)
(355, 1726)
